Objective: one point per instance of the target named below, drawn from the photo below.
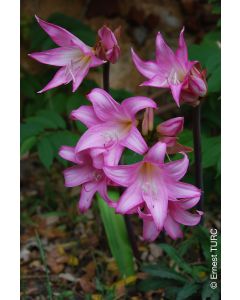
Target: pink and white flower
(107, 47)
(153, 183)
(184, 78)
(177, 214)
(86, 175)
(73, 57)
(112, 126)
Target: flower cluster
(152, 187)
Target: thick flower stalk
(85, 174)
(112, 126)
(153, 184)
(73, 57)
(168, 132)
(184, 78)
(107, 47)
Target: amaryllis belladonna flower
(153, 183)
(177, 214)
(112, 126)
(107, 47)
(168, 132)
(173, 70)
(73, 57)
(84, 174)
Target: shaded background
(75, 248)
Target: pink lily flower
(112, 126)
(153, 183)
(177, 214)
(107, 48)
(174, 71)
(72, 56)
(84, 174)
(168, 132)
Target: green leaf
(45, 152)
(185, 245)
(207, 291)
(154, 283)
(214, 82)
(211, 151)
(173, 253)
(117, 236)
(163, 272)
(29, 129)
(131, 157)
(187, 291)
(28, 144)
(54, 117)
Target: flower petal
(156, 198)
(87, 192)
(58, 56)
(171, 127)
(159, 80)
(81, 71)
(150, 231)
(68, 153)
(104, 105)
(86, 115)
(178, 190)
(188, 203)
(133, 105)
(95, 62)
(156, 153)
(112, 156)
(178, 168)
(107, 37)
(147, 68)
(123, 175)
(61, 36)
(135, 141)
(182, 52)
(176, 92)
(102, 190)
(77, 175)
(184, 217)
(58, 79)
(106, 135)
(164, 55)
(130, 199)
(172, 228)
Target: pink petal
(135, 141)
(97, 157)
(147, 69)
(68, 153)
(171, 127)
(81, 72)
(178, 168)
(87, 192)
(107, 37)
(112, 156)
(104, 105)
(95, 62)
(156, 198)
(164, 55)
(159, 80)
(182, 52)
(176, 92)
(113, 54)
(130, 199)
(61, 36)
(156, 153)
(102, 190)
(77, 175)
(150, 231)
(172, 228)
(197, 85)
(184, 217)
(58, 79)
(178, 190)
(188, 203)
(123, 175)
(58, 56)
(135, 104)
(106, 135)
(86, 115)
